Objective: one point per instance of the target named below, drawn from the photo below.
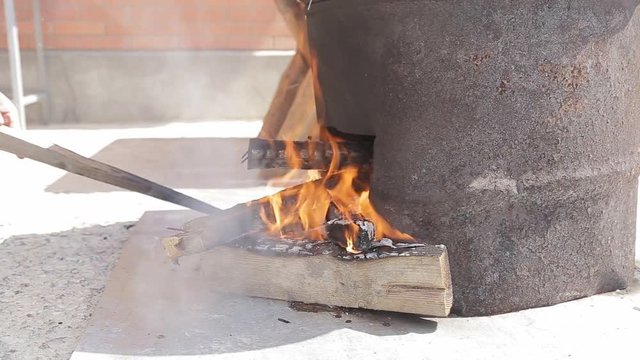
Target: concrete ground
(153, 308)
(57, 250)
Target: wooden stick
(293, 102)
(205, 233)
(208, 232)
(301, 122)
(285, 94)
(293, 13)
(65, 159)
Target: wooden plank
(301, 122)
(285, 94)
(239, 257)
(294, 14)
(65, 159)
(417, 284)
(293, 103)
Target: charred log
(362, 231)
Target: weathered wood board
(419, 283)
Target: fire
(339, 192)
(349, 235)
(304, 209)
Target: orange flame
(349, 234)
(306, 207)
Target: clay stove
(507, 131)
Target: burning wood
(315, 242)
(266, 154)
(319, 242)
(387, 275)
(335, 208)
(362, 231)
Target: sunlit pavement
(57, 250)
(26, 208)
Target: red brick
(228, 28)
(86, 42)
(158, 24)
(239, 42)
(76, 28)
(27, 42)
(153, 42)
(203, 42)
(248, 14)
(24, 27)
(24, 11)
(56, 11)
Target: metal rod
(42, 70)
(15, 64)
(67, 160)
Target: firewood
(301, 123)
(205, 233)
(266, 154)
(363, 239)
(410, 280)
(285, 94)
(293, 13)
(236, 253)
(208, 232)
(292, 106)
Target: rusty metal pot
(507, 131)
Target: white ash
(381, 249)
(295, 249)
(281, 247)
(410, 245)
(368, 227)
(383, 242)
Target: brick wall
(153, 25)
